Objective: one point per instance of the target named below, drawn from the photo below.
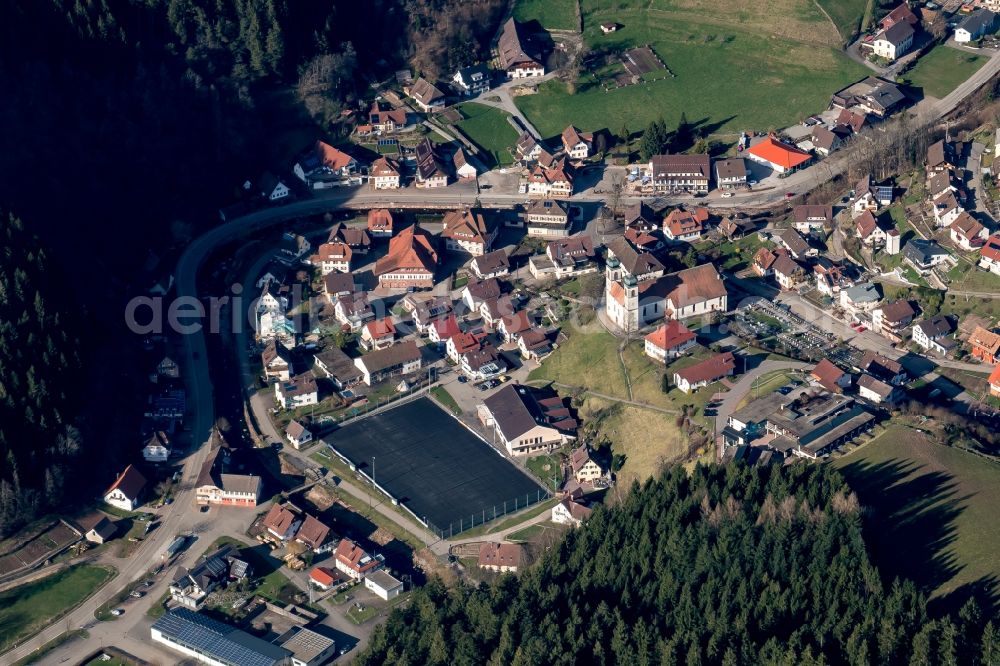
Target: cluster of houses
(352, 565)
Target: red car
(789, 195)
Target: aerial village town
(452, 358)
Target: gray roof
(217, 640)
(898, 33)
(865, 292)
(731, 168)
(922, 251)
(305, 644)
(633, 261)
(935, 327)
(383, 579)
(977, 22)
(380, 359)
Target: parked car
(462, 379)
(726, 195)
(118, 611)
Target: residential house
(326, 166)
(337, 366)
(853, 120)
(877, 391)
(685, 225)
(731, 173)
(384, 174)
(470, 231)
(883, 368)
(513, 56)
(893, 43)
(989, 254)
(940, 183)
(669, 341)
(472, 81)
(869, 231)
(934, 334)
(641, 217)
(863, 297)
(352, 559)
(492, 310)
(298, 391)
(779, 156)
(276, 361)
(824, 141)
(411, 261)
(379, 223)
(534, 345)
(465, 170)
(514, 325)
(325, 578)
(631, 262)
(157, 447)
(431, 172)
(967, 233)
(554, 182)
(281, 522)
(583, 466)
(381, 364)
(478, 292)
(830, 377)
(941, 157)
(127, 489)
(168, 368)
(994, 382)
(680, 173)
(314, 535)
(271, 187)
(644, 241)
(528, 420)
(547, 218)
(378, 334)
(565, 257)
(482, 363)
(336, 285)
(387, 121)
(97, 528)
(426, 95)
(501, 557)
(984, 345)
(924, 255)
(705, 372)
(812, 217)
(190, 588)
(901, 13)
(796, 245)
(788, 273)
(297, 434)
(333, 257)
(831, 277)
(872, 95)
(892, 318)
(975, 25)
(490, 265)
(763, 261)
(443, 329)
(459, 344)
(568, 512)
(577, 144)
(217, 485)
(632, 304)
(426, 311)
(528, 148)
(946, 209)
(869, 195)
(383, 585)
(356, 238)
(353, 311)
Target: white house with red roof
(994, 381)
(989, 254)
(443, 329)
(967, 232)
(125, 492)
(351, 559)
(325, 578)
(705, 372)
(669, 341)
(568, 512)
(378, 334)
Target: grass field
(551, 14)
(26, 609)
(441, 394)
(488, 128)
(932, 509)
(940, 71)
(589, 359)
(741, 65)
(647, 438)
(845, 14)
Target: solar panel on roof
(217, 640)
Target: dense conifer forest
(732, 565)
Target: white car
(751, 182)
(118, 611)
(726, 195)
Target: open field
(26, 609)
(933, 509)
(940, 71)
(588, 359)
(845, 14)
(488, 128)
(551, 14)
(645, 437)
(737, 67)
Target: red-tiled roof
(324, 576)
(710, 369)
(995, 377)
(379, 219)
(331, 157)
(782, 154)
(130, 483)
(991, 249)
(670, 335)
(827, 374)
(381, 328)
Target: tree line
(729, 565)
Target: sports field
(931, 510)
(435, 466)
(736, 65)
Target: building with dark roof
(213, 642)
(217, 485)
(513, 55)
(528, 420)
(381, 364)
(680, 173)
(125, 492)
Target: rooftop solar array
(217, 640)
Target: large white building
(633, 303)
